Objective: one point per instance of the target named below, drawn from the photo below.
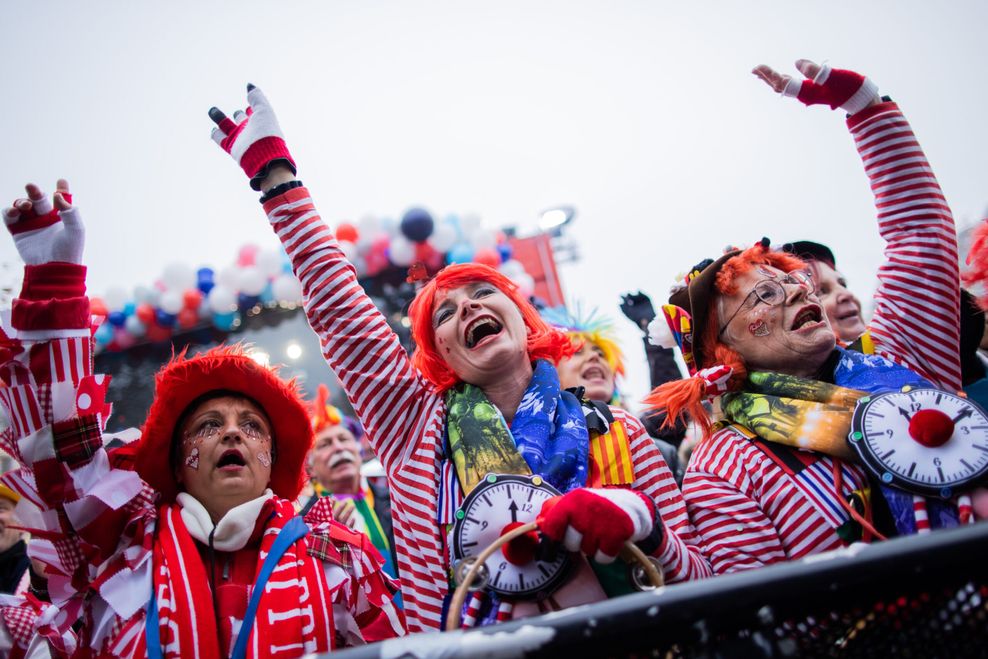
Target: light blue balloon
(226, 321)
(129, 309)
(461, 253)
(104, 334)
(267, 295)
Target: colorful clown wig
(591, 328)
(324, 415)
(682, 398)
(544, 342)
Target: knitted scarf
(815, 415)
(294, 615)
(548, 434)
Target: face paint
(264, 458)
(759, 328)
(192, 460)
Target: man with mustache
(334, 465)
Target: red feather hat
(227, 368)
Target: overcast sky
(642, 115)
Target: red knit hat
(225, 368)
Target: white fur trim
(631, 504)
(232, 532)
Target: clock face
(501, 501)
(925, 441)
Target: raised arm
(918, 299)
(57, 411)
(391, 398)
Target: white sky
(643, 115)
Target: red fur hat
(227, 368)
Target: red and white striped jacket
(748, 508)
(405, 417)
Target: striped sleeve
(391, 398)
(747, 511)
(680, 549)
(917, 304)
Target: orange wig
(544, 342)
(680, 398)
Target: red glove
(838, 88)
(253, 138)
(44, 232)
(598, 521)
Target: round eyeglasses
(773, 293)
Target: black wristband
(280, 190)
(651, 543)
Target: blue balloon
(226, 321)
(417, 224)
(164, 318)
(117, 318)
(129, 309)
(267, 295)
(204, 280)
(461, 253)
(245, 301)
(104, 334)
(504, 249)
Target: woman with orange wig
(479, 396)
(776, 479)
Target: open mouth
(480, 329)
(594, 373)
(231, 458)
(807, 315)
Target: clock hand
(905, 414)
(514, 511)
(966, 413)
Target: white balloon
(349, 250)
(143, 294)
(171, 301)
(402, 251)
(287, 288)
(228, 277)
(389, 226)
(469, 223)
(179, 276)
(205, 311)
(115, 298)
(443, 237)
(269, 261)
(134, 325)
(483, 239)
(368, 225)
(252, 281)
(222, 299)
(526, 284)
(512, 268)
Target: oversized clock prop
(496, 505)
(924, 441)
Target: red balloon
(191, 299)
(432, 259)
(97, 307)
(145, 314)
(487, 257)
(158, 334)
(187, 318)
(348, 232)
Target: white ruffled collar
(233, 530)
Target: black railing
(922, 596)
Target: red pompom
(520, 550)
(931, 428)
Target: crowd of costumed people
(509, 480)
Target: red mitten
(598, 521)
(253, 138)
(838, 88)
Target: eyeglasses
(250, 429)
(772, 293)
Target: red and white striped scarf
(294, 617)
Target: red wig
(680, 398)
(544, 342)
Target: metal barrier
(922, 596)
